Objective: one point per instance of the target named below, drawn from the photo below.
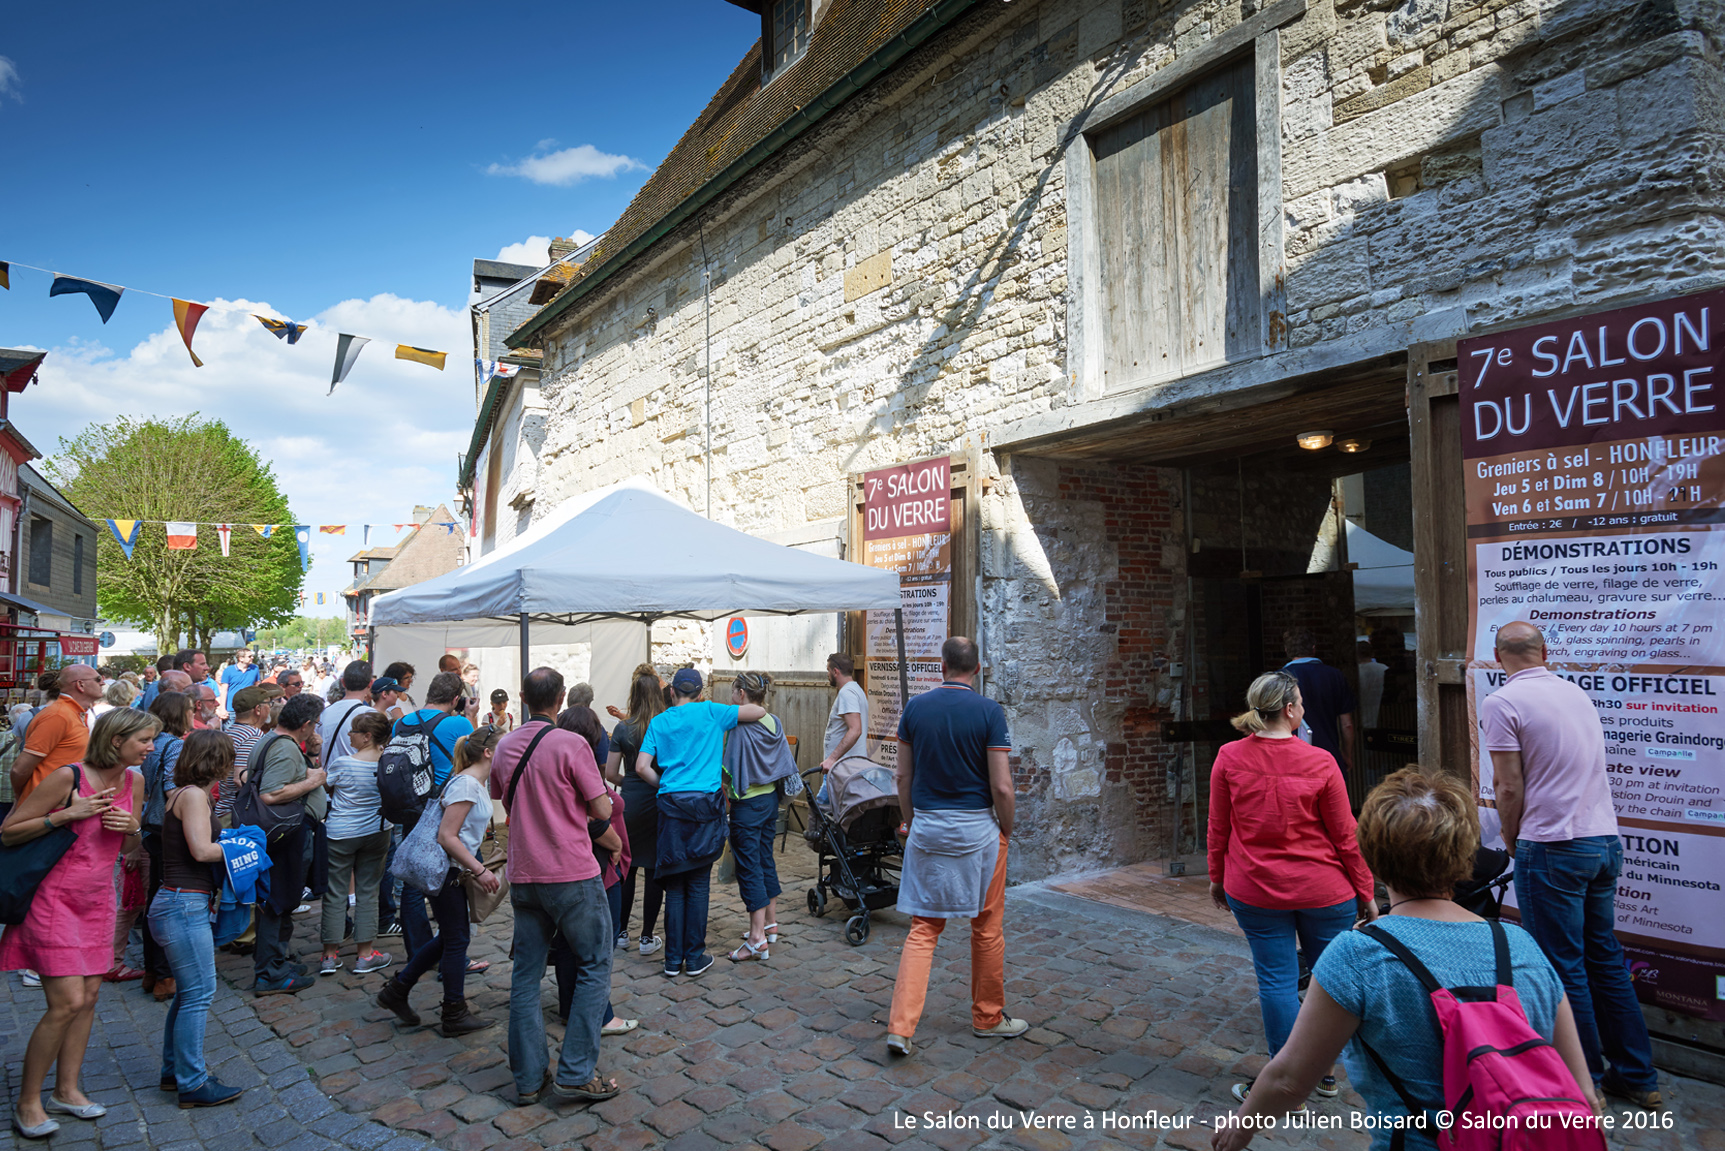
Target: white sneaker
(302, 909)
(31, 979)
(651, 944)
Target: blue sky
(338, 163)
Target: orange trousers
(987, 961)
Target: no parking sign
(737, 637)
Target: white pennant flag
(347, 349)
(225, 531)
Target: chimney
(560, 247)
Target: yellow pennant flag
(420, 356)
(186, 317)
(264, 530)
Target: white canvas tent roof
(1384, 581)
(629, 553)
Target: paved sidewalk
(1132, 1013)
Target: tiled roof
(742, 115)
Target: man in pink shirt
(1548, 770)
(554, 887)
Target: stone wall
(895, 285)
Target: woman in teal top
(681, 756)
(757, 762)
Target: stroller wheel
(817, 902)
(856, 930)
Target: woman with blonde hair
(1419, 832)
(1282, 851)
(117, 694)
(68, 934)
(640, 804)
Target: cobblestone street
(1131, 1013)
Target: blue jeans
(686, 916)
(579, 912)
(1566, 892)
(180, 922)
(448, 948)
(752, 823)
(1275, 958)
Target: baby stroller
(1482, 892)
(853, 831)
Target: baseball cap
(686, 682)
(248, 698)
(385, 683)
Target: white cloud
(567, 166)
(9, 81)
(386, 440)
(532, 250)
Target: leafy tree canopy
(183, 469)
(305, 632)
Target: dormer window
(784, 33)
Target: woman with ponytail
(1283, 856)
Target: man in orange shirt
(60, 732)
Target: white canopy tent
(1384, 580)
(603, 570)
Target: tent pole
(524, 668)
(903, 667)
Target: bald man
(1548, 769)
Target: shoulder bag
(274, 819)
(480, 902)
(24, 866)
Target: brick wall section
(1087, 687)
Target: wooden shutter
(1177, 221)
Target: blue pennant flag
(126, 531)
(106, 297)
(282, 329)
(302, 536)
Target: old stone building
(1111, 256)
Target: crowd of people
(1352, 923)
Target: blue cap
(686, 682)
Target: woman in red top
(1282, 851)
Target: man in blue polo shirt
(955, 793)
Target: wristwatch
(48, 822)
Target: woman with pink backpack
(1455, 1028)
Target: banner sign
(1595, 486)
(76, 646)
(907, 528)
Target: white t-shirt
(850, 701)
(466, 789)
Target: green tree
(305, 632)
(183, 469)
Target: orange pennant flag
(333, 529)
(186, 317)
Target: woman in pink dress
(68, 936)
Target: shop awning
(30, 605)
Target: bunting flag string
(182, 536)
(187, 313)
(302, 536)
(186, 317)
(225, 531)
(333, 529)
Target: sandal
(475, 966)
(748, 951)
(594, 1090)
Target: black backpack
(406, 769)
(274, 819)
